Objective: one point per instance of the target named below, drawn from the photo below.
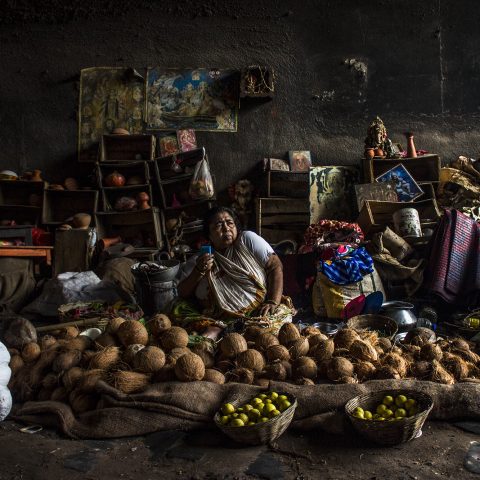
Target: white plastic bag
(5, 374)
(4, 355)
(5, 402)
(201, 185)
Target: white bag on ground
(5, 374)
(4, 354)
(5, 402)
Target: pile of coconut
(130, 356)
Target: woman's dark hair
(208, 217)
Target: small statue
(376, 134)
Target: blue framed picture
(406, 187)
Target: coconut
(158, 324)
(339, 367)
(224, 365)
(347, 380)
(114, 324)
(106, 340)
(440, 375)
(213, 376)
(252, 332)
(341, 352)
(71, 377)
(174, 337)
(368, 336)
(384, 343)
(299, 348)
(88, 381)
(30, 352)
(456, 366)
(130, 352)
(105, 358)
(304, 381)
(430, 351)
(46, 359)
(232, 344)
(288, 333)
(175, 354)
(87, 355)
(128, 382)
(310, 331)
(149, 360)
(207, 358)
(379, 350)
(288, 368)
(275, 371)
(165, 374)
(314, 340)
(362, 350)
(364, 370)
(262, 382)
(396, 361)
(386, 372)
(132, 331)
(189, 367)
(68, 333)
(324, 350)
(13, 351)
(59, 395)
(251, 359)
(265, 340)
(277, 352)
(344, 338)
(304, 367)
(44, 394)
(240, 375)
(420, 336)
(16, 363)
(82, 343)
(66, 360)
(460, 343)
(50, 381)
(467, 355)
(47, 341)
(82, 402)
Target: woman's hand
(204, 263)
(268, 309)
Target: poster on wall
(109, 99)
(332, 193)
(199, 99)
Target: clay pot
(369, 152)
(56, 186)
(120, 131)
(379, 152)
(36, 176)
(71, 183)
(108, 242)
(115, 179)
(411, 150)
(82, 220)
(142, 199)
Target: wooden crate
(21, 192)
(111, 194)
(126, 148)
(185, 160)
(127, 169)
(375, 215)
(58, 205)
(20, 214)
(282, 218)
(288, 184)
(423, 169)
(144, 229)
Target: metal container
(402, 313)
(327, 328)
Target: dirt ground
(438, 453)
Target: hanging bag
(201, 185)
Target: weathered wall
(418, 68)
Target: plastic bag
(201, 185)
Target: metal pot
(402, 313)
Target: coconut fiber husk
(176, 405)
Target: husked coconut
(262, 382)
(385, 343)
(396, 362)
(299, 348)
(252, 332)
(275, 371)
(266, 340)
(129, 382)
(207, 358)
(314, 340)
(224, 365)
(66, 360)
(467, 355)
(105, 358)
(304, 381)
(214, 376)
(149, 360)
(420, 336)
(30, 352)
(174, 337)
(460, 343)
(71, 377)
(310, 331)
(159, 324)
(251, 359)
(456, 366)
(362, 350)
(288, 333)
(364, 371)
(89, 379)
(341, 352)
(420, 370)
(288, 367)
(345, 337)
(82, 343)
(174, 354)
(16, 363)
(47, 341)
(240, 375)
(132, 331)
(277, 352)
(339, 367)
(347, 380)
(189, 368)
(386, 372)
(68, 333)
(323, 368)
(232, 344)
(324, 350)
(440, 375)
(106, 340)
(430, 351)
(304, 367)
(114, 324)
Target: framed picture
(375, 191)
(168, 145)
(186, 140)
(300, 160)
(406, 187)
(276, 164)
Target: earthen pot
(142, 199)
(37, 176)
(71, 183)
(109, 242)
(82, 220)
(369, 152)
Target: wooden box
(375, 215)
(184, 164)
(425, 168)
(130, 170)
(126, 148)
(58, 205)
(288, 184)
(21, 192)
(20, 214)
(110, 195)
(144, 229)
(282, 218)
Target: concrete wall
(337, 63)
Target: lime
(264, 419)
(234, 415)
(224, 419)
(273, 395)
(282, 406)
(381, 419)
(388, 413)
(367, 415)
(358, 410)
(400, 413)
(243, 418)
(262, 396)
(255, 401)
(410, 403)
(359, 414)
(381, 409)
(282, 397)
(249, 424)
(274, 413)
(236, 422)
(400, 400)
(388, 400)
(267, 400)
(227, 408)
(240, 410)
(269, 407)
(254, 414)
(247, 407)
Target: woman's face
(223, 231)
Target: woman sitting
(240, 283)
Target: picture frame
(300, 160)
(406, 187)
(186, 139)
(276, 165)
(384, 191)
(168, 145)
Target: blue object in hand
(206, 249)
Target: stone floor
(439, 452)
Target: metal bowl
(161, 271)
(327, 328)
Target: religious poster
(332, 193)
(187, 140)
(109, 99)
(199, 99)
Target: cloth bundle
(332, 231)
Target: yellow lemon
(255, 401)
(381, 408)
(268, 400)
(274, 413)
(273, 395)
(358, 410)
(262, 396)
(387, 400)
(243, 418)
(227, 408)
(269, 407)
(236, 422)
(282, 397)
(247, 407)
(359, 414)
(388, 413)
(282, 406)
(400, 400)
(400, 413)
(253, 414)
(224, 419)
(367, 415)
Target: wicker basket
(260, 433)
(385, 325)
(385, 432)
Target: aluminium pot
(401, 313)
